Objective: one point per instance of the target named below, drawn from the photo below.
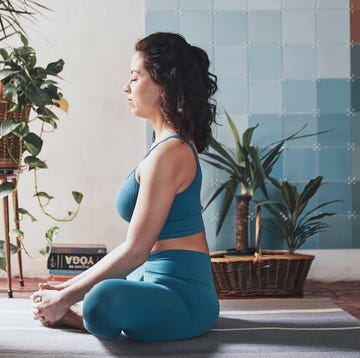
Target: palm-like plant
(293, 225)
(248, 168)
(12, 12)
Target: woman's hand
(47, 286)
(49, 306)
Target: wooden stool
(10, 176)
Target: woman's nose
(126, 88)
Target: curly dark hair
(182, 70)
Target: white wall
(98, 142)
(335, 265)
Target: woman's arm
(61, 286)
(160, 181)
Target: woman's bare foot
(73, 318)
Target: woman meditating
(157, 285)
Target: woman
(168, 292)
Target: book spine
(64, 272)
(77, 250)
(73, 261)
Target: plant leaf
(54, 68)
(235, 134)
(215, 195)
(307, 214)
(23, 211)
(16, 233)
(37, 96)
(24, 40)
(49, 121)
(42, 194)
(247, 136)
(46, 112)
(13, 250)
(51, 234)
(218, 164)
(77, 196)
(230, 194)
(6, 188)
(22, 130)
(309, 191)
(35, 163)
(271, 157)
(4, 54)
(2, 263)
(6, 73)
(62, 103)
(33, 143)
(7, 126)
(42, 252)
(289, 193)
(259, 174)
(227, 156)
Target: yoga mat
(270, 327)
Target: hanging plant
(29, 94)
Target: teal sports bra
(184, 218)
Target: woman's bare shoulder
(173, 159)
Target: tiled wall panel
(283, 63)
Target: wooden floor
(346, 294)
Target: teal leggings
(170, 297)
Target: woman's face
(144, 95)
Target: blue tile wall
(264, 27)
(264, 62)
(282, 64)
(295, 89)
(299, 61)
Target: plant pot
(11, 143)
(274, 273)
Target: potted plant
(28, 96)
(291, 222)
(248, 168)
(253, 272)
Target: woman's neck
(162, 131)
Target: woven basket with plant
(243, 271)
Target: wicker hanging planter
(10, 144)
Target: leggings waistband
(180, 263)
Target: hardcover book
(74, 257)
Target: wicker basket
(273, 273)
(10, 143)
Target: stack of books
(68, 260)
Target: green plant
(12, 11)
(293, 224)
(248, 168)
(27, 86)
(13, 250)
